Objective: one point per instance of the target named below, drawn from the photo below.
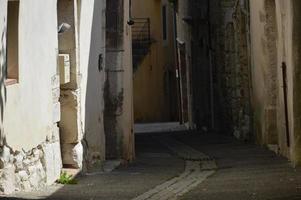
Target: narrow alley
(242, 171)
(150, 99)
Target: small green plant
(66, 179)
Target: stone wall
(70, 124)
(30, 154)
(30, 170)
(226, 60)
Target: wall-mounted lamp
(63, 28)
(130, 22)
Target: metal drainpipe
(284, 76)
(177, 67)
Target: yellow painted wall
(153, 102)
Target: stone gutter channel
(198, 167)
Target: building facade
(118, 113)
(67, 76)
(54, 71)
(155, 84)
(30, 147)
(244, 58)
(275, 41)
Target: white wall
(28, 115)
(3, 10)
(92, 44)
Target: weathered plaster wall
(30, 151)
(184, 36)
(261, 62)
(70, 125)
(92, 77)
(118, 119)
(155, 97)
(296, 51)
(127, 117)
(31, 99)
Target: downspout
(177, 64)
(287, 130)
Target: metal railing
(141, 30)
(141, 40)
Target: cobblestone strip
(198, 167)
(183, 151)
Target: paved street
(163, 171)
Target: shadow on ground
(153, 166)
(246, 172)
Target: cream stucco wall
(259, 47)
(29, 111)
(92, 76)
(154, 92)
(126, 120)
(118, 115)
(184, 36)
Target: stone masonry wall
(31, 170)
(231, 65)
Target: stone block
(36, 152)
(34, 159)
(35, 180)
(55, 133)
(55, 81)
(5, 155)
(52, 162)
(7, 180)
(56, 112)
(69, 123)
(2, 164)
(32, 169)
(26, 162)
(40, 170)
(55, 95)
(73, 154)
(18, 162)
(25, 186)
(23, 175)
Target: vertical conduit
(180, 114)
(284, 76)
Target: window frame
(8, 79)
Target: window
(164, 22)
(12, 70)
